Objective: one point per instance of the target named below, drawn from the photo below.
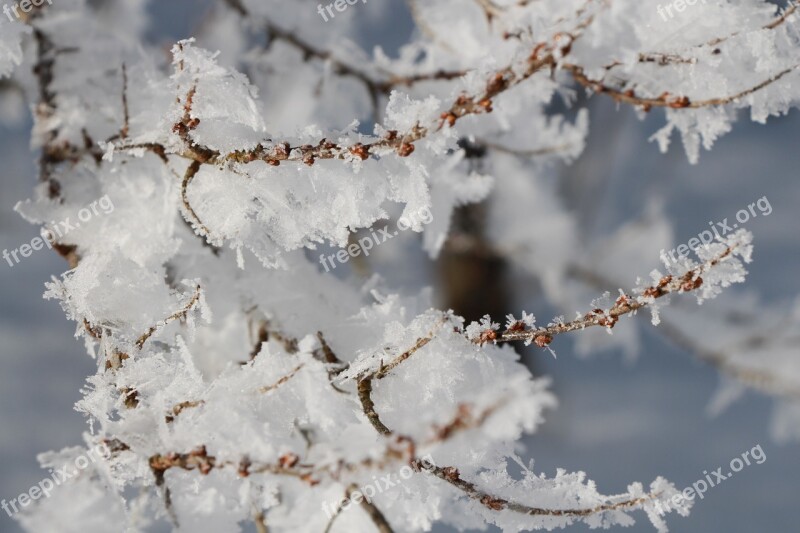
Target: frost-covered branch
(452, 476)
(375, 86)
(669, 98)
(691, 280)
(762, 379)
(465, 421)
(181, 314)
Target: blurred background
(619, 419)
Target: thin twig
(281, 381)
(666, 99)
(126, 121)
(624, 305)
(260, 520)
(368, 406)
(453, 477)
(766, 382)
(421, 342)
(174, 316)
(375, 514)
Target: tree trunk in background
(474, 281)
